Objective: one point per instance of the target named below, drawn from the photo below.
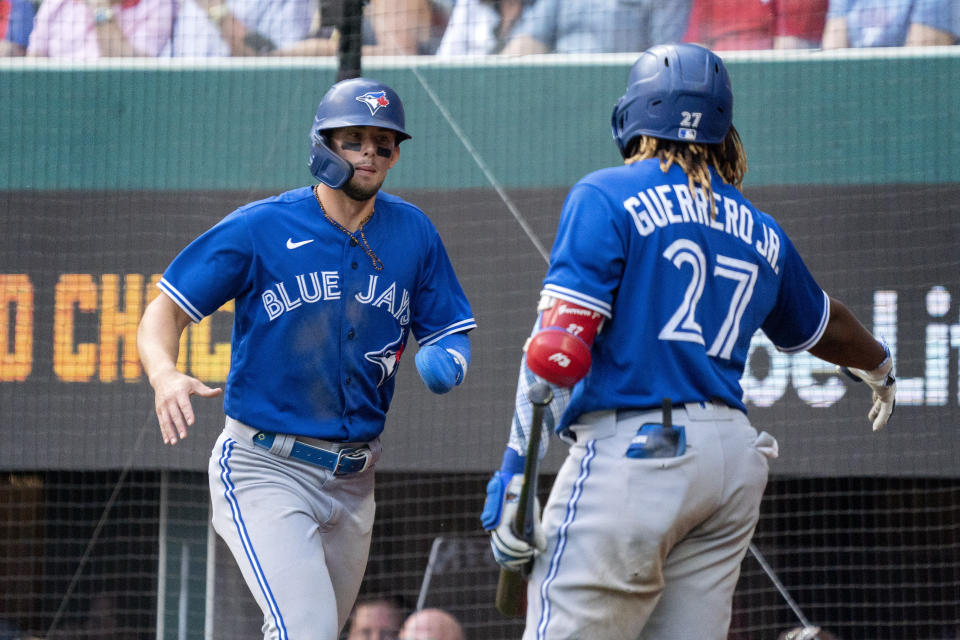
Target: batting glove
(884, 387)
(441, 369)
(510, 550)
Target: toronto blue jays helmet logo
(374, 100)
(387, 358)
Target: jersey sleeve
(936, 14)
(799, 316)
(211, 270)
(539, 21)
(441, 307)
(586, 262)
(838, 9)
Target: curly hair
(727, 157)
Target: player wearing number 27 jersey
(660, 274)
(693, 285)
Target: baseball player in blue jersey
(660, 274)
(328, 282)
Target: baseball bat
(512, 586)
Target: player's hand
(884, 387)
(172, 403)
(441, 369)
(499, 512)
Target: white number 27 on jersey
(683, 324)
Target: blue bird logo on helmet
(374, 100)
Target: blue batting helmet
(676, 92)
(356, 102)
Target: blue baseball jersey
(683, 292)
(318, 332)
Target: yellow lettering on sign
(17, 290)
(73, 362)
(118, 327)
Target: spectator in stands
(479, 27)
(890, 23)
(597, 26)
(376, 618)
(16, 22)
(103, 619)
(239, 27)
(431, 624)
(390, 27)
(741, 25)
(90, 29)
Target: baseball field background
(107, 170)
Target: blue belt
(342, 462)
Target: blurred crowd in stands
(88, 29)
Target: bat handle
(667, 406)
(540, 395)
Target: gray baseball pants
(299, 534)
(648, 549)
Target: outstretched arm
(158, 341)
(848, 344)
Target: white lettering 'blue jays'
(313, 287)
(374, 100)
(387, 298)
(666, 204)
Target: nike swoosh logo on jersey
(293, 245)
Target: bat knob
(667, 406)
(540, 393)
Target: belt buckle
(346, 453)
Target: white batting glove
(884, 387)
(509, 550)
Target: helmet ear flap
(325, 165)
(618, 124)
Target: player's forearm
(846, 342)
(158, 337)
(523, 412)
